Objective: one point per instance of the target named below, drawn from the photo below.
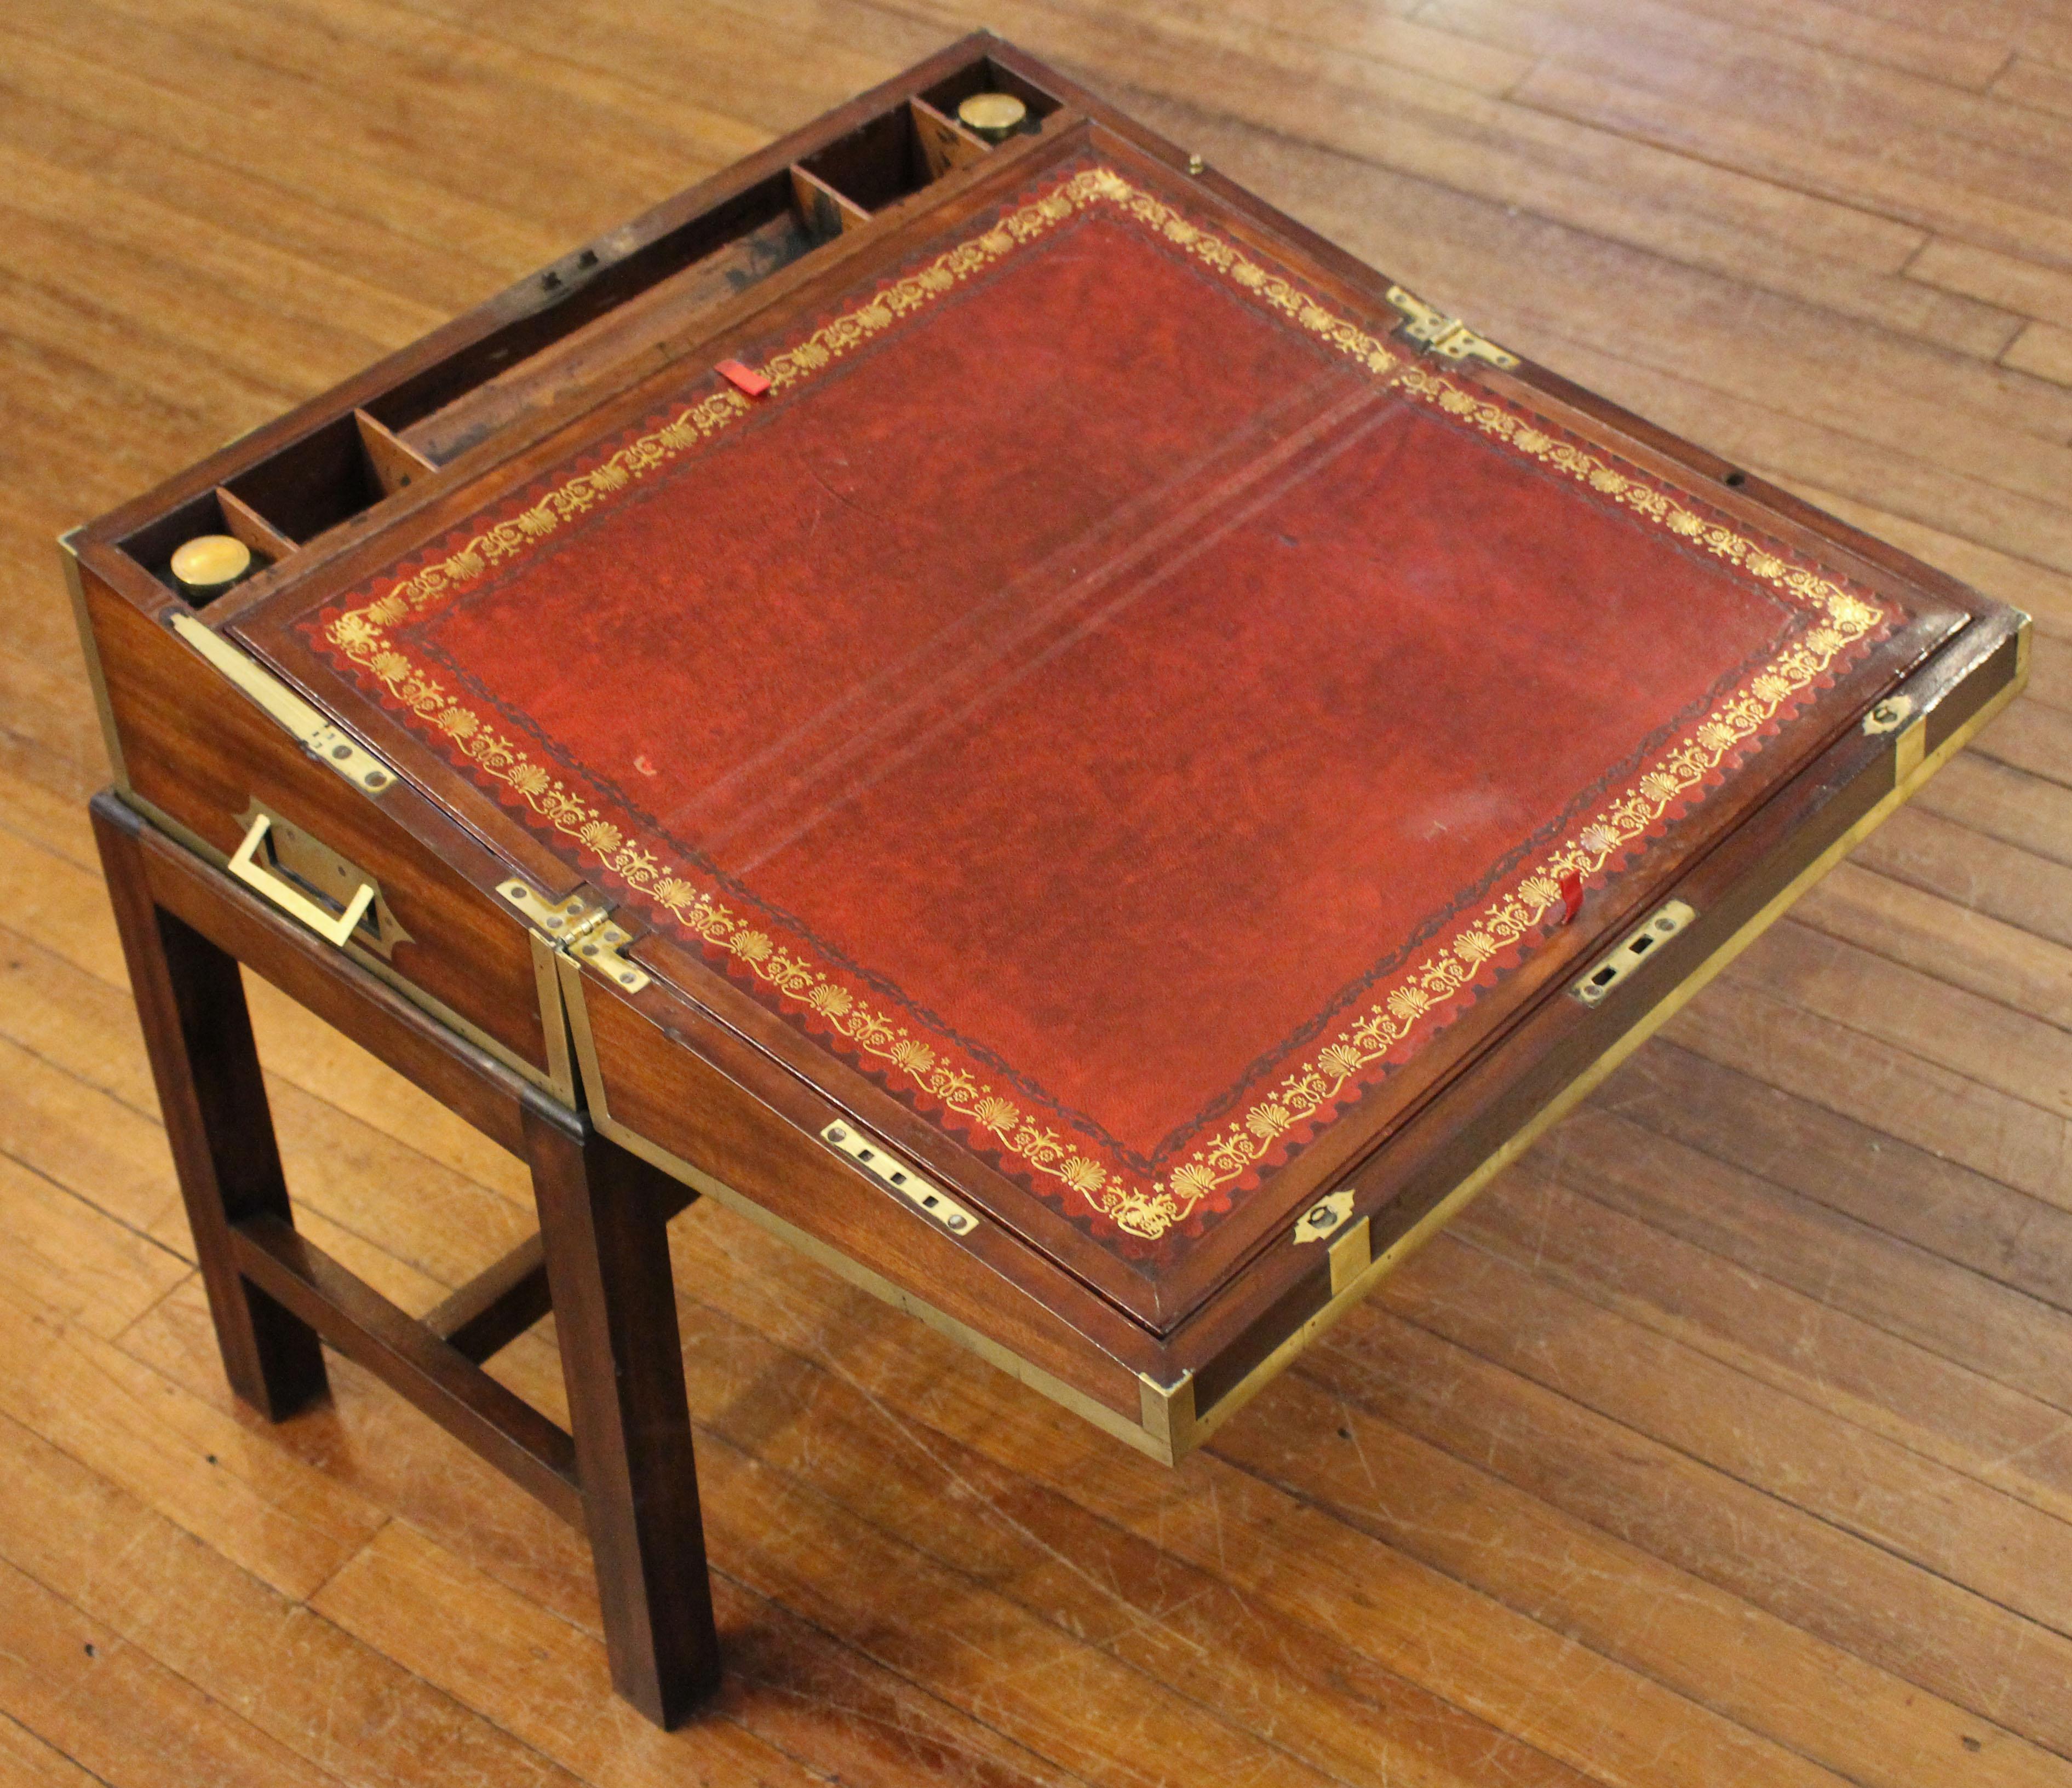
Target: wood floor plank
(1997, 212)
(2005, 1553)
(2043, 349)
(61, 1254)
(1674, 1626)
(1985, 1041)
(1719, 70)
(1340, 1711)
(1941, 939)
(1383, 1607)
(1952, 1221)
(1916, 44)
(1983, 875)
(2029, 82)
(550, 1683)
(127, 1718)
(2002, 802)
(2050, 671)
(1816, 1576)
(1032, 1682)
(2028, 288)
(128, 92)
(280, 75)
(321, 1695)
(28, 1762)
(288, 1525)
(807, 1693)
(1550, 1224)
(1029, 1438)
(1888, 1089)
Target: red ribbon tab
(743, 378)
(1571, 897)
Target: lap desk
(1007, 711)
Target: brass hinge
(1445, 335)
(578, 928)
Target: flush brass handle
(332, 928)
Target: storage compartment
(216, 511)
(699, 263)
(595, 309)
(988, 76)
(616, 312)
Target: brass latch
(1664, 923)
(876, 1160)
(1445, 335)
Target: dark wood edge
(497, 1305)
(364, 1326)
(461, 1076)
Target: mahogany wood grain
(499, 1304)
(601, 1220)
(192, 1004)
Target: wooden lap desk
(1000, 709)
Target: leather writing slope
(1108, 695)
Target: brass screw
(1195, 164)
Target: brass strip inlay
(324, 741)
(90, 649)
(1345, 1295)
(1144, 1439)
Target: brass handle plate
(333, 928)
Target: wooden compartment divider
(246, 522)
(592, 310)
(826, 210)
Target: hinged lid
(1118, 713)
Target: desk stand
(600, 1261)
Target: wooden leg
(198, 1033)
(603, 1226)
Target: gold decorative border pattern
(1409, 1002)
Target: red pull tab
(1571, 897)
(743, 378)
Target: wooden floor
(1729, 1440)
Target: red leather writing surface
(1102, 692)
